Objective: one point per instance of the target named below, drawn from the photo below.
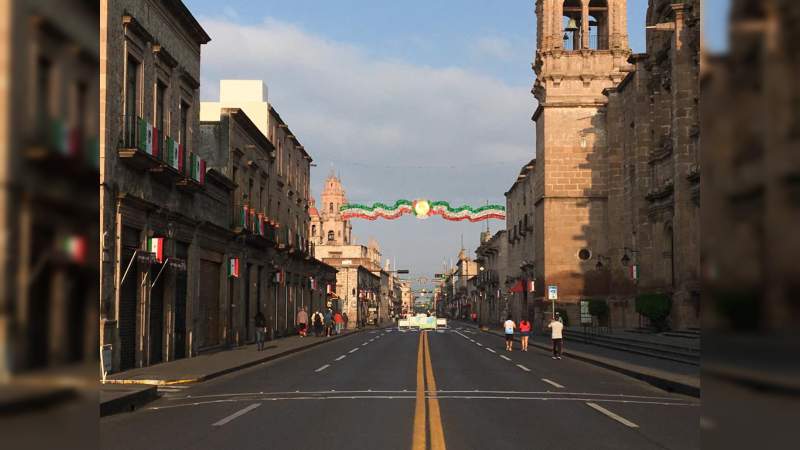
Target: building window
(161, 90)
(330, 235)
(313, 230)
(184, 131)
(131, 97)
(43, 71)
(584, 254)
(330, 207)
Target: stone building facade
(269, 208)
(48, 191)
(751, 174)
(495, 280)
(149, 108)
(520, 245)
(570, 179)
(653, 133)
(609, 209)
(616, 185)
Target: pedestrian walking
(556, 327)
(261, 330)
(317, 320)
(328, 322)
(344, 316)
(338, 322)
(302, 321)
(524, 333)
(509, 327)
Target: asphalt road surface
(390, 389)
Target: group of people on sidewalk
(525, 328)
(325, 323)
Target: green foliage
(564, 316)
(655, 307)
(741, 308)
(598, 308)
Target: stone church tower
(582, 49)
(327, 225)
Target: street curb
(37, 400)
(657, 380)
(137, 399)
(128, 403)
(787, 385)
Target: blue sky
(404, 99)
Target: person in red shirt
(474, 317)
(525, 332)
(338, 322)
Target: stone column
(585, 24)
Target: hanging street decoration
(422, 209)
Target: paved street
(455, 388)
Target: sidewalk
(126, 390)
(676, 377)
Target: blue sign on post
(552, 292)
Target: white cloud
(494, 47)
(347, 105)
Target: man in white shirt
(556, 328)
(509, 327)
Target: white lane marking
(364, 344)
(241, 412)
(322, 368)
(340, 358)
(505, 357)
(479, 344)
(411, 397)
(553, 383)
(491, 350)
(353, 350)
(610, 414)
(523, 368)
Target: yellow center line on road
(435, 417)
(429, 414)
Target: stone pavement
(667, 375)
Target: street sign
(552, 292)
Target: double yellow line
(431, 414)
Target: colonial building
(156, 207)
(327, 226)
(614, 131)
(653, 131)
(520, 254)
(269, 209)
(495, 281)
(334, 244)
(48, 192)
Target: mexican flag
(179, 165)
(156, 245)
(244, 216)
(74, 247)
(145, 136)
(172, 153)
(155, 145)
(233, 267)
(197, 168)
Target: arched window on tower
(313, 230)
(598, 25)
(572, 25)
(330, 207)
(330, 235)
